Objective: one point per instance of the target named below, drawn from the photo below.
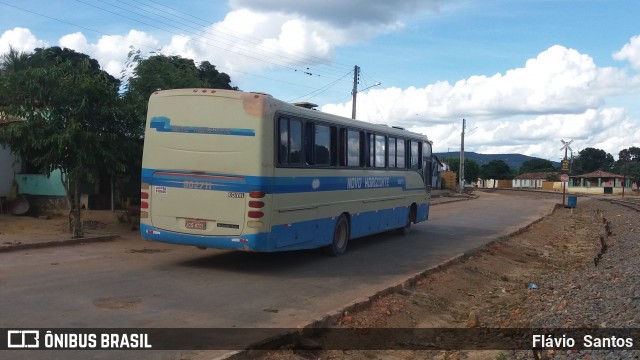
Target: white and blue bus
(237, 170)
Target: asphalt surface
(136, 284)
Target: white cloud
(340, 13)
(630, 52)
(111, 51)
(560, 94)
(610, 129)
(250, 41)
(558, 80)
(20, 39)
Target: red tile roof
(599, 174)
(536, 175)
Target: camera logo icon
(23, 339)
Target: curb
(472, 197)
(333, 317)
(54, 243)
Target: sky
(524, 74)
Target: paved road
(132, 283)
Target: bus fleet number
(197, 185)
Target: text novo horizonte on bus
(367, 182)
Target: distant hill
(513, 160)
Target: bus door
(427, 163)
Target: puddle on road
(148, 251)
(118, 303)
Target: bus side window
(415, 154)
(322, 145)
(380, 151)
(400, 154)
(353, 152)
(295, 142)
(371, 148)
(342, 147)
(290, 138)
(392, 152)
(334, 146)
(283, 138)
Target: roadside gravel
(488, 289)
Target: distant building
(532, 180)
(599, 182)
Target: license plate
(195, 224)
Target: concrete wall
(449, 178)
(527, 183)
(36, 184)
(557, 186)
(595, 190)
(552, 185)
(495, 184)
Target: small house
(531, 180)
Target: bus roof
(296, 109)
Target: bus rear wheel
(340, 237)
(405, 230)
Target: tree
(213, 78)
(536, 165)
(10, 62)
(70, 120)
(161, 72)
(629, 163)
(495, 169)
(591, 159)
(634, 153)
(634, 172)
(471, 168)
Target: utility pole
(464, 122)
(625, 169)
(356, 73)
(565, 168)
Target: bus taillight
(256, 194)
(144, 195)
(255, 204)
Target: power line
(229, 40)
(312, 94)
(72, 24)
(235, 34)
(172, 33)
(306, 71)
(322, 89)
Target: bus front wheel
(340, 237)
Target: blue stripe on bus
(271, 185)
(163, 124)
(296, 236)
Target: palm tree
(13, 60)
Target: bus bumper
(248, 242)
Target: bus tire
(340, 237)
(405, 230)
